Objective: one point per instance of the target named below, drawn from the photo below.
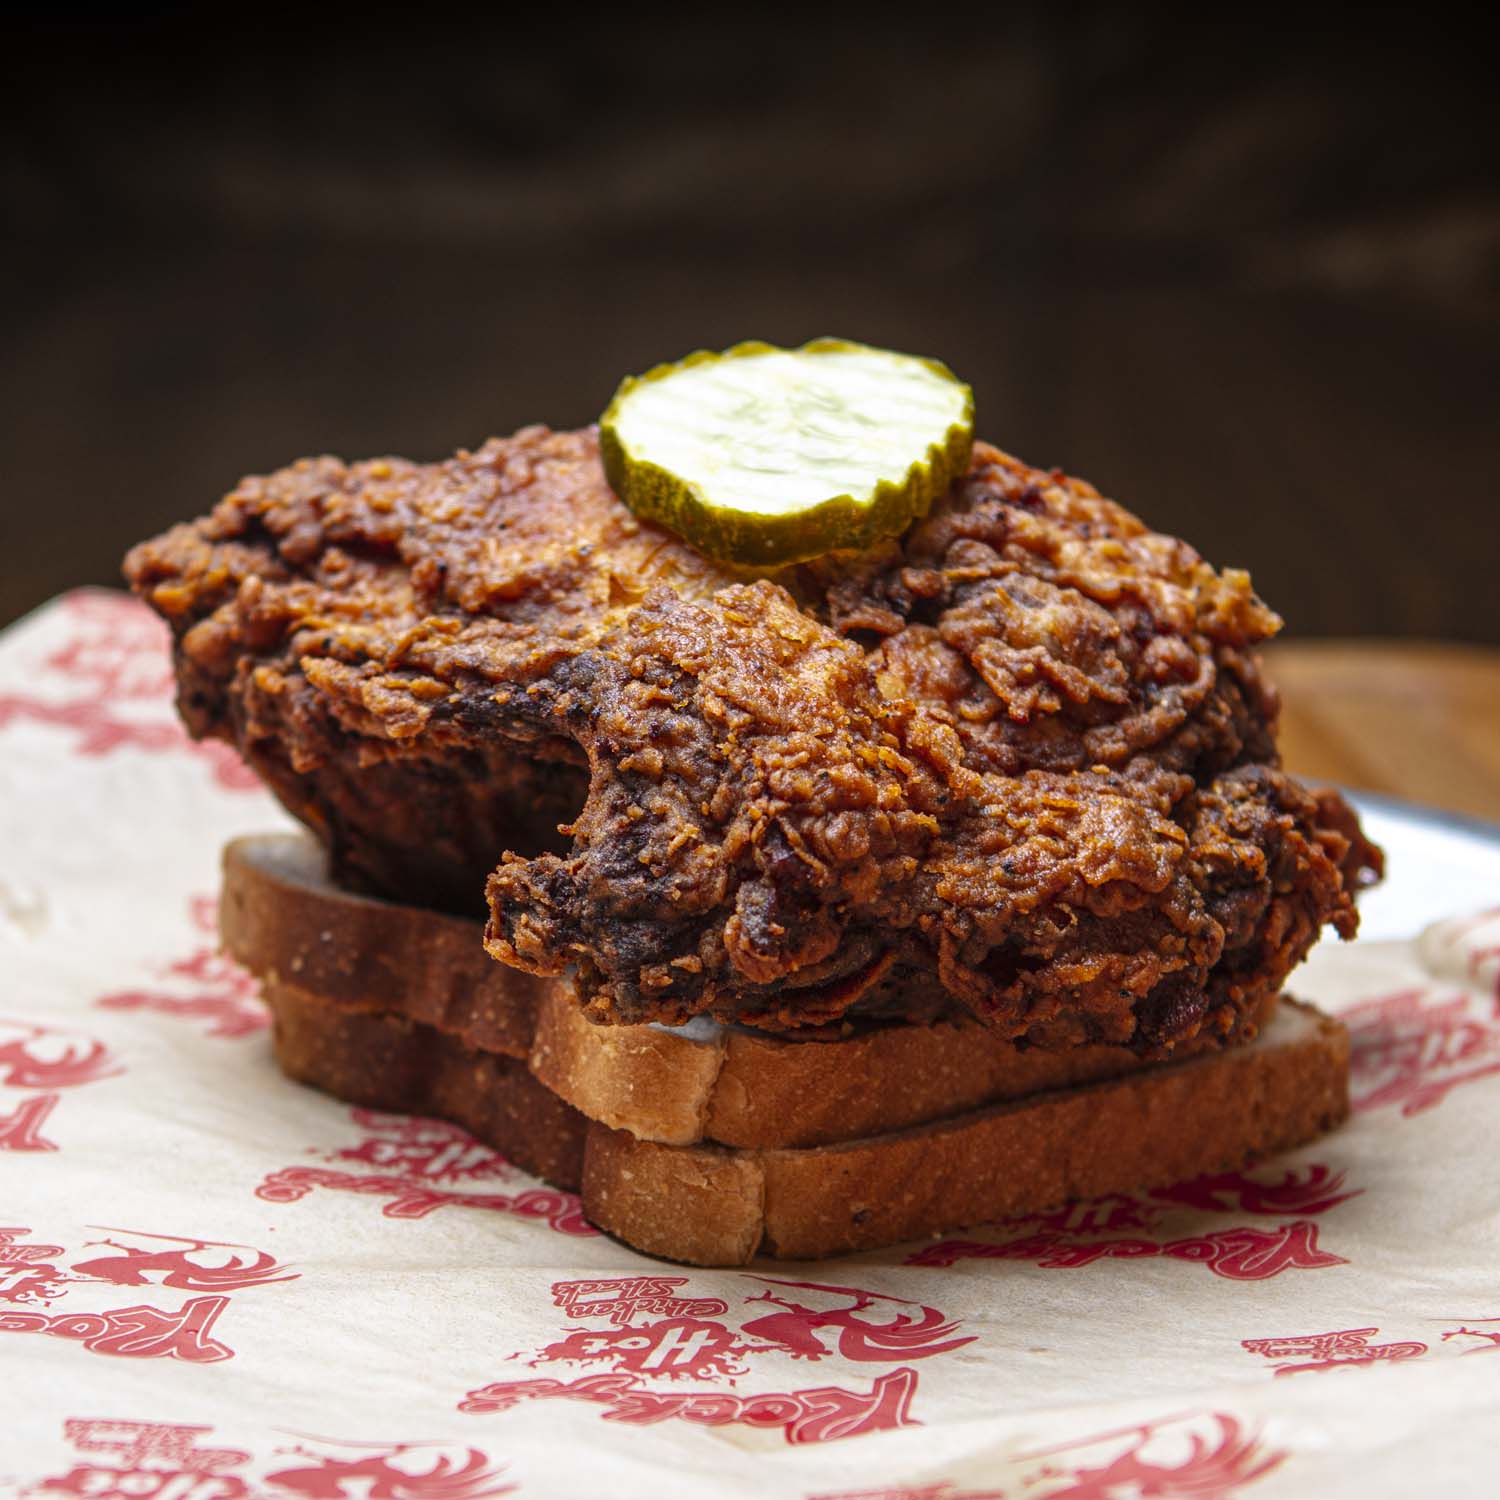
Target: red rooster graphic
(797, 1329)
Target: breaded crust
(1023, 755)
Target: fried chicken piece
(305, 606)
(771, 833)
(1020, 760)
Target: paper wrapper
(216, 1284)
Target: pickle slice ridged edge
(765, 541)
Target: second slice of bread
(723, 1206)
(390, 1062)
(741, 1088)
(715, 1206)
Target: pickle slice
(763, 456)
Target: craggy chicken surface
(1020, 759)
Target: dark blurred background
(1242, 271)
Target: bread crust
(1179, 1120)
(390, 1062)
(283, 918)
(742, 1088)
(722, 1206)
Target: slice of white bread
(722, 1206)
(718, 1206)
(282, 918)
(391, 1062)
(737, 1087)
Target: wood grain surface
(1412, 719)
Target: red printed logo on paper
(33, 1056)
(1209, 1455)
(942, 1490)
(145, 1461)
(1214, 1457)
(116, 646)
(1485, 1340)
(36, 1276)
(1198, 1456)
(1411, 1049)
(1349, 1348)
(204, 986)
(871, 1328)
(1311, 1190)
(419, 1166)
(1131, 1227)
(117, 663)
(49, 1058)
(405, 1471)
(648, 1329)
(817, 1414)
(188, 1264)
(121, 1460)
(28, 1273)
(1326, 1351)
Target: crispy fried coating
(1019, 760)
(343, 626)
